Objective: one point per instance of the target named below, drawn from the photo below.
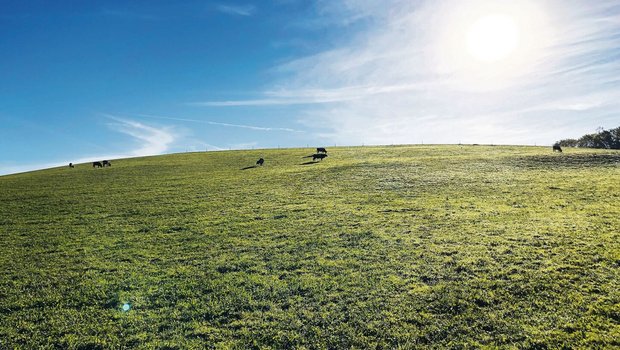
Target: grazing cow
(260, 162)
(557, 147)
(97, 165)
(106, 163)
(321, 150)
(71, 165)
(319, 156)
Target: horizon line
(64, 164)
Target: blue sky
(86, 80)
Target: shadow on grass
(249, 167)
(309, 163)
(563, 160)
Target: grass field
(372, 248)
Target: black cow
(319, 156)
(106, 163)
(557, 147)
(260, 162)
(71, 165)
(97, 165)
(321, 150)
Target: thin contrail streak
(251, 127)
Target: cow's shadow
(250, 167)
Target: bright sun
(493, 38)
(484, 45)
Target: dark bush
(608, 139)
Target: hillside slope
(373, 247)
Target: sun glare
(484, 45)
(493, 38)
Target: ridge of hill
(372, 247)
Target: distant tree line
(609, 139)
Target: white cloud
(407, 77)
(262, 102)
(150, 141)
(237, 10)
(314, 96)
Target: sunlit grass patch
(373, 247)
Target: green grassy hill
(374, 247)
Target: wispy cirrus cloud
(264, 102)
(313, 96)
(237, 10)
(405, 76)
(150, 141)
